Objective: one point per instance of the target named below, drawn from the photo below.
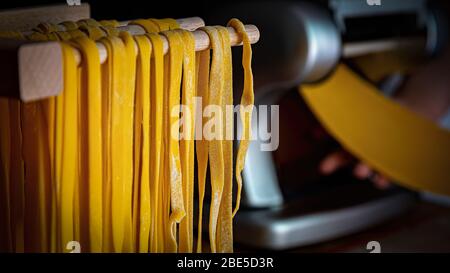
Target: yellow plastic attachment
(409, 149)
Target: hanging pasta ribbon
(148, 25)
(224, 223)
(142, 155)
(5, 175)
(203, 63)
(68, 175)
(46, 28)
(127, 104)
(36, 157)
(215, 145)
(246, 106)
(156, 134)
(72, 30)
(186, 239)
(114, 188)
(173, 153)
(92, 99)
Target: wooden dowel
(201, 41)
(40, 65)
(189, 23)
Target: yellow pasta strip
(246, 106)
(5, 175)
(36, 160)
(129, 75)
(148, 25)
(109, 23)
(163, 26)
(46, 28)
(81, 161)
(137, 150)
(202, 144)
(164, 232)
(109, 84)
(173, 154)
(186, 238)
(69, 25)
(17, 175)
(225, 223)
(116, 59)
(215, 145)
(93, 97)
(55, 122)
(156, 132)
(165, 165)
(63, 35)
(143, 117)
(56, 171)
(171, 23)
(69, 158)
(46, 182)
(89, 22)
(93, 32)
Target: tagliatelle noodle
(201, 144)
(215, 149)
(247, 100)
(225, 220)
(172, 127)
(186, 239)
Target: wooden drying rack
(34, 70)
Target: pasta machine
(302, 42)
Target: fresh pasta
(114, 160)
